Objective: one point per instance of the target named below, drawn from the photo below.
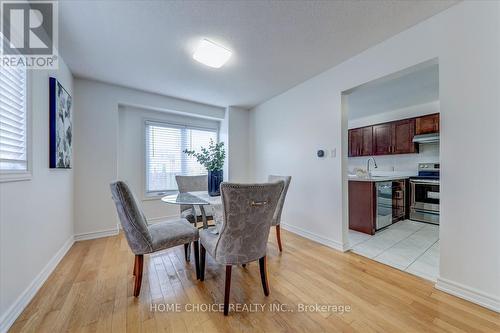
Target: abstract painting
(61, 134)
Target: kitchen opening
(393, 169)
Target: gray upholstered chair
(193, 213)
(277, 214)
(143, 238)
(247, 210)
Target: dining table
(195, 198)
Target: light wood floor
(91, 290)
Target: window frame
(22, 175)
(157, 195)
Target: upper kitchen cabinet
(360, 142)
(367, 144)
(402, 141)
(382, 139)
(355, 141)
(427, 124)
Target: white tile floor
(406, 245)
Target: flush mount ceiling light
(211, 54)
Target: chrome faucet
(368, 165)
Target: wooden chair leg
(139, 261)
(202, 262)
(187, 252)
(135, 267)
(196, 259)
(263, 275)
(227, 290)
(278, 236)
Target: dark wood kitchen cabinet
(362, 207)
(403, 132)
(382, 139)
(360, 142)
(427, 124)
(367, 144)
(355, 142)
(363, 204)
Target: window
(14, 163)
(165, 159)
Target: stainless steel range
(424, 192)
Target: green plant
(212, 157)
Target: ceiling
(413, 86)
(148, 45)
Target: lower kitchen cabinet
(362, 206)
(370, 202)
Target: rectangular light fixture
(211, 54)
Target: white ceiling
(277, 44)
(413, 86)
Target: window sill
(6, 177)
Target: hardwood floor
(91, 291)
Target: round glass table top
(192, 198)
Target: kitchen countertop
(376, 178)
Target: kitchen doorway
(392, 169)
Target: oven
(424, 202)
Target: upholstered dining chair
(193, 213)
(277, 214)
(143, 238)
(247, 213)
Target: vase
(214, 180)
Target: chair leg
(227, 290)
(278, 236)
(139, 261)
(187, 251)
(135, 267)
(202, 262)
(196, 259)
(263, 275)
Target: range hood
(426, 138)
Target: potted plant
(212, 158)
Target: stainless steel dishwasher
(384, 204)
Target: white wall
(96, 146)
(392, 115)
(407, 163)
(238, 144)
(131, 154)
(36, 216)
(287, 130)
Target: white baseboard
(97, 234)
(467, 293)
(10, 316)
(315, 237)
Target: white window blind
(13, 119)
(165, 158)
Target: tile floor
(406, 245)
